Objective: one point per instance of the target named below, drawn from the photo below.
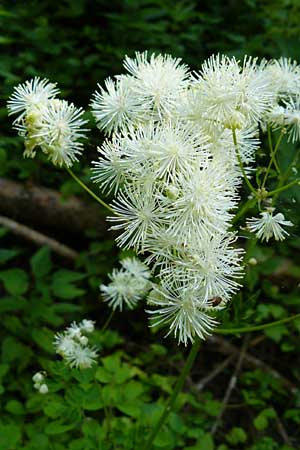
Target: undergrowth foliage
(180, 150)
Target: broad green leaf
(15, 407)
(15, 281)
(41, 263)
(62, 284)
(10, 437)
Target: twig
(282, 432)
(205, 380)
(231, 385)
(226, 347)
(38, 238)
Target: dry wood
(45, 207)
(231, 384)
(38, 238)
(226, 347)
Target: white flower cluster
(284, 113)
(128, 285)
(73, 345)
(46, 122)
(39, 382)
(171, 163)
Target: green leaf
(261, 421)
(15, 281)
(205, 443)
(236, 436)
(41, 263)
(57, 427)
(131, 409)
(6, 255)
(10, 437)
(15, 407)
(43, 337)
(62, 284)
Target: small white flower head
(87, 326)
(38, 377)
(136, 268)
(73, 346)
(269, 225)
(276, 117)
(292, 118)
(138, 215)
(64, 343)
(128, 285)
(82, 357)
(116, 107)
(204, 205)
(182, 309)
(60, 132)
(232, 93)
(31, 96)
(43, 389)
(111, 169)
(159, 81)
(285, 76)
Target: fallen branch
(45, 207)
(231, 385)
(225, 347)
(214, 373)
(38, 238)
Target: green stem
(283, 188)
(92, 194)
(273, 160)
(286, 175)
(256, 327)
(252, 189)
(244, 209)
(179, 384)
(108, 320)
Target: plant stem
(273, 160)
(283, 188)
(179, 384)
(256, 327)
(244, 209)
(286, 175)
(252, 189)
(92, 194)
(108, 320)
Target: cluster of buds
(39, 382)
(73, 345)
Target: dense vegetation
(79, 43)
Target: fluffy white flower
(60, 131)
(159, 82)
(138, 215)
(204, 205)
(31, 96)
(182, 310)
(128, 285)
(292, 118)
(269, 225)
(73, 346)
(284, 75)
(116, 107)
(87, 326)
(136, 268)
(232, 93)
(82, 357)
